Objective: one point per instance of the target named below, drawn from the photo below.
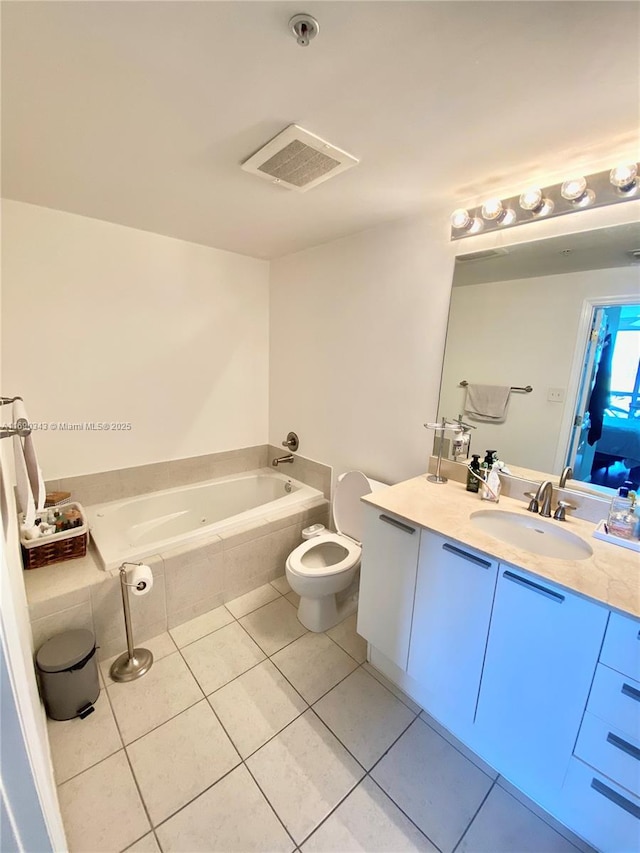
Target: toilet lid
(347, 510)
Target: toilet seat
(295, 560)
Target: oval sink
(532, 533)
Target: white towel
(487, 402)
(29, 481)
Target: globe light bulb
(624, 177)
(575, 190)
(460, 219)
(492, 208)
(531, 199)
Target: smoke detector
(298, 160)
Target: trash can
(68, 674)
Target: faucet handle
(291, 441)
(533, 503)
(559, 514)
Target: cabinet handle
(466, 556)
(631, 692)
(534, 587)
(616, 798)
(397, 523)
(624, 745)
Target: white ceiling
(141, 112)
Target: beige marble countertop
(611, 575)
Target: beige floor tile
(222, 656)
(468, 753)
(163, 692)
(252, 600)
(79, 744)
(503, 825)
(199, 627)
(314, 664)
(293, 598)
(399, 694)
(160, 647)
(304, 773)
(364, 716)
(214, 823)
(282, 585)
(344, 634)
(101, 808)
(177, 761)
(433, 784)
(147, 844)
(367, 820)
(273, 626)
(256, 706)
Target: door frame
(584, 327)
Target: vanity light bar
(577, 193)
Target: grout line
(457, 748)
(477, 812)
(400, 809)
(269, 803)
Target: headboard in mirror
(522, 316)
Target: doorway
(605, 443)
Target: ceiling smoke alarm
(298, 160)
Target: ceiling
(140, 113)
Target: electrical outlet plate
(555, 395)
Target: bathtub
(135, 528)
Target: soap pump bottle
(621, 520)
(490, 490)
(473, 482)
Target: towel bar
(526, 389)
(22, 427)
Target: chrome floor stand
(133, 663)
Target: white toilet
(326, 565)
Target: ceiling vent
(298, 160)
(483, 255)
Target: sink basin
(532, 533)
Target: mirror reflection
(561, 316)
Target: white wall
(106, 323)
(357, 336)
(522, 332)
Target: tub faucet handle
(291, 441)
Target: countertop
(610, 576)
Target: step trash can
(68, 674)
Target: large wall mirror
(561, 315)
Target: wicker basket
(66, 545)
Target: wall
(103, 323)
(356, 343)
(522, 332)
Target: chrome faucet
(567, 474)
(279, 459)
(544, 494)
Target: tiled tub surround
(114, 485)
(251, 734)
(188, 581)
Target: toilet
(327, 564)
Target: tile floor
(251, 734)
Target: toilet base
(320, 614)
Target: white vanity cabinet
(451, 615)
(387, 583)
(540, 661)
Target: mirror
(521, 316)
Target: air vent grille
(298, 159)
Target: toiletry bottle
(490, 491)
(473, 483)
(621, 520)
(487, 462)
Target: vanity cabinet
(541, 657)
(453, 599)
(387, 583)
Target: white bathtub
(134, 528)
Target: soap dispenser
(473, 474)
(621, 521)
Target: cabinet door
(454, 596)
(387, 583)
(541, 657)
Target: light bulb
(534, 201)
(508, 217)
(460, 219)
(492, 208)
(624, 177)
(575, 190)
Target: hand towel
(29, 480)
(487, 402)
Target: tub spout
(279, 459)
